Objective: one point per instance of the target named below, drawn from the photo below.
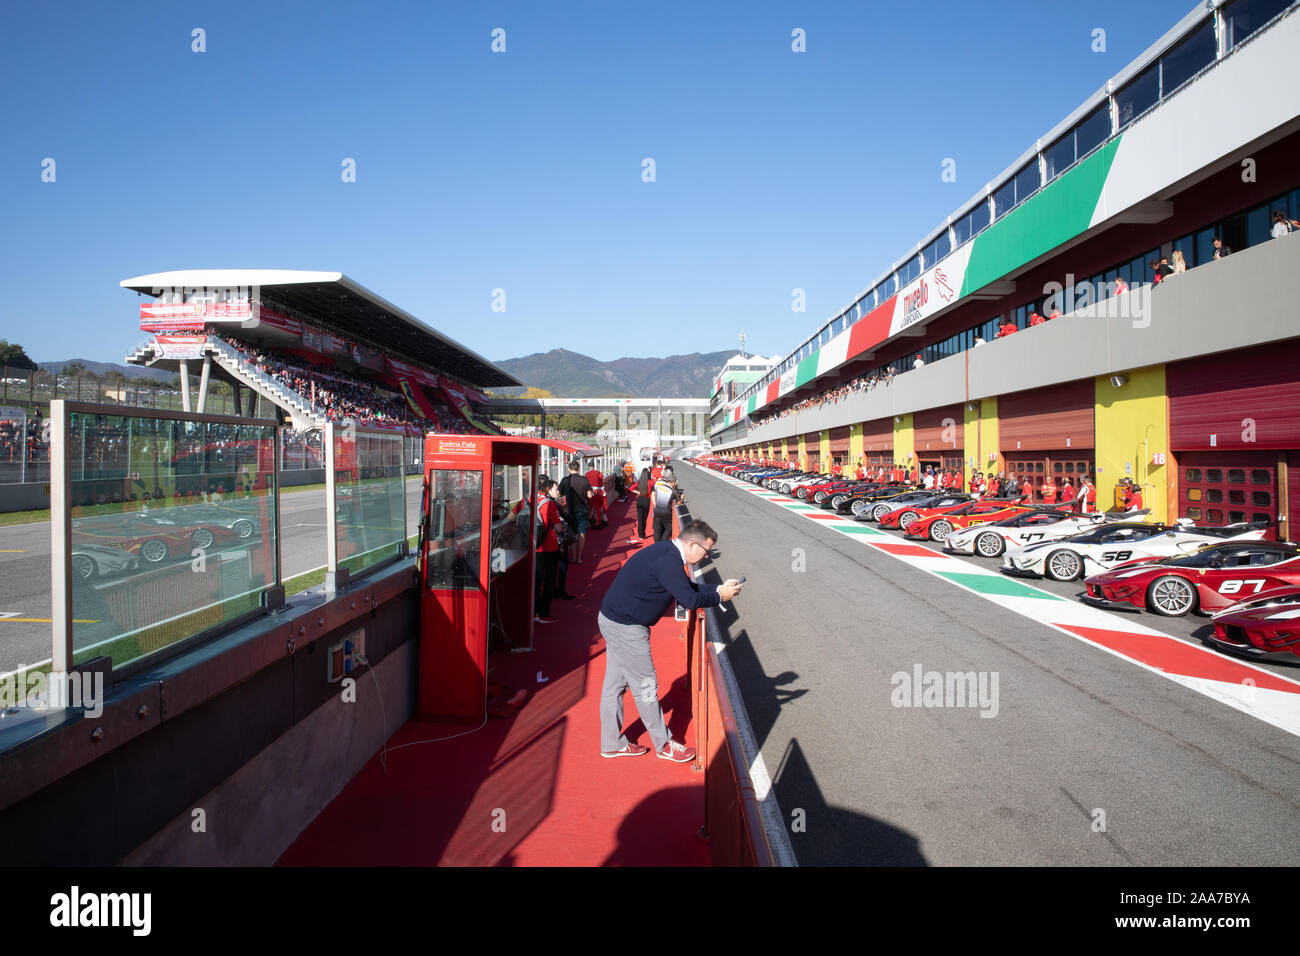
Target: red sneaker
(676, 752)
(629, 750)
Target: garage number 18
(1236, 584)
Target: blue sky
(519, 170)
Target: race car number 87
(1234, 586)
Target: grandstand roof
(338, 304)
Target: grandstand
(1025, 334)
(315, 345)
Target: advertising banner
(179, 346)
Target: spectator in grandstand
(1282, 225)
(1163, 269)
(979, 340)
(1221, 249)
(1179, 263)
(1056, 313)
(1036, 319)
(645, 588)
(920, 361)
(1120, 286)
(1007, 328)
(578, 493)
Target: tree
(14, 356)
(533, 392)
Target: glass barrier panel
(512, 516)
(454, 531)
(369, 497)
(173, 530)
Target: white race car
(1111, 545)
(991, 540)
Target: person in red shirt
(1027, 489)
(1134, 502)
(1036, 319)
(1056, 314)
(548, 549)
(1049, 491)
(861, 473)
(597, 504)
(957, 481)
(912, 476)
(1088, 493)
(835, 469)
(1067, 493)
(1007, 328)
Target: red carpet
(532, 789)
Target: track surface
(1181, 778)
(25, 569)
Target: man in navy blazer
(644, 590)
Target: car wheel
(906, 518)
(879, 511)
(154, 550)
(837, 501)
(203, 538)
(84, 567)
(243, 528)
(819, 497)
(1171, 596)
(940, 530)
(859, 508)
(990, 544)
(1063, 565)
(801, 493)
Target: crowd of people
(19, 442)
(832, 396)
(339, 396)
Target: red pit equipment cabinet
(477, 560)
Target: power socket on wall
(343, 654)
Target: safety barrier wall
(732, 821)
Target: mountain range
(99, 368)
(559, 371)
(572, 374)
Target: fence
(732, 821)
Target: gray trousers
(628, 665)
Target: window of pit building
(1188, 58)
(1243, 18)
(1142, 93)
(937, 249)
(909, 270)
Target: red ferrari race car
(938, 505)
(1211, 579)
(153, 540)
(939, 526)
(1266, 627)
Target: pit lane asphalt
(25, 568)
(1182, 779)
